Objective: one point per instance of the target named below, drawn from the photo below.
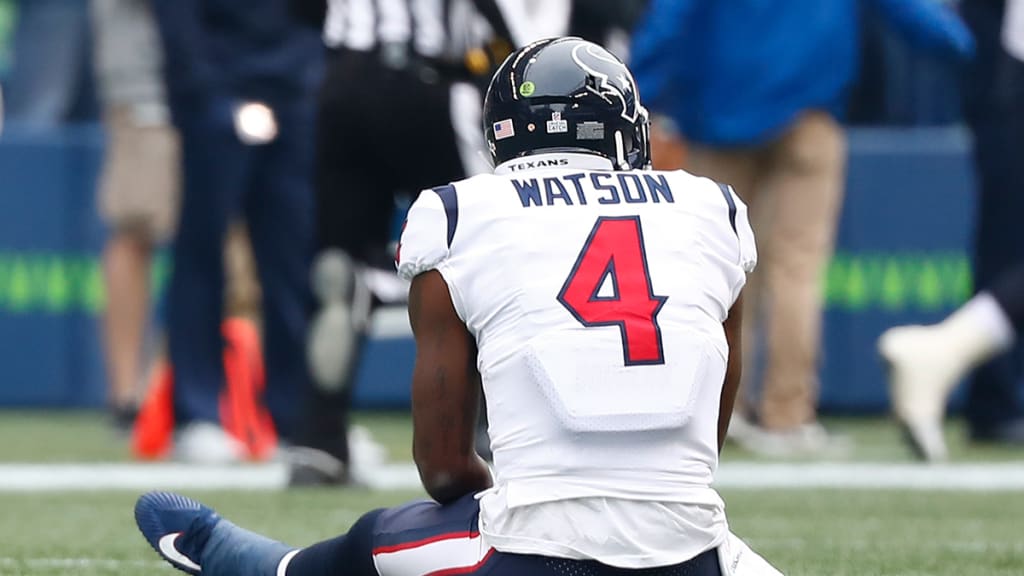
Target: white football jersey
(597, 299)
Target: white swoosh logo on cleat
(171, 553)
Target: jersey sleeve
(745, 234)
(744, 251)
(424, 242)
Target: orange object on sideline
(153, 433)
(241, 410)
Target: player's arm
(734, 336)
(742, 249)
(445, 394)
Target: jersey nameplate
(600, 187)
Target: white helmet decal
(607, 89)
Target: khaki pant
(139, 186)
(139, 194)
(793, 187)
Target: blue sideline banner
(901, 257)
(902, 252)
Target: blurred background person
(50, 80)
(138, 191)
(399, 112)
(606, 22)
(756, 91)
(240, 78)
(994, 110)
(928, 362)
(529, 20)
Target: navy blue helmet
(566, 95)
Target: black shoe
(312, 467)
(1009, 432)
(123, 416)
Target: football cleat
(176, 527)
(920, 380)
(196, 540)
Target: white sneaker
(921, 378)
(740, 428)
(334, 330)
(207, 443)
(806, 440)
(365, 453)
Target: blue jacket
(737, 72)
(236, 49)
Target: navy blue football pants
(994, 106)
(270, 187)
(423, 537)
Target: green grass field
(803, 532)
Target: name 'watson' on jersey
(582, 189)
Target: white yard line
(66, 477)
(403, 476)
(850, 475)
(42, 563)
(172, 476)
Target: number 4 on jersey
(614, 253)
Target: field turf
(803, 532)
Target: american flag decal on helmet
(504, 129)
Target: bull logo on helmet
(620, 88)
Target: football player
(597, 304)
(927, 362)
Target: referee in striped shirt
(399, 111)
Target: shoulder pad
(428, 232)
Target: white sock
(978, 330)
(282, 566)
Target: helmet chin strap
(620, 152)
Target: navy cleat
(177, 527)
(195, 539)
